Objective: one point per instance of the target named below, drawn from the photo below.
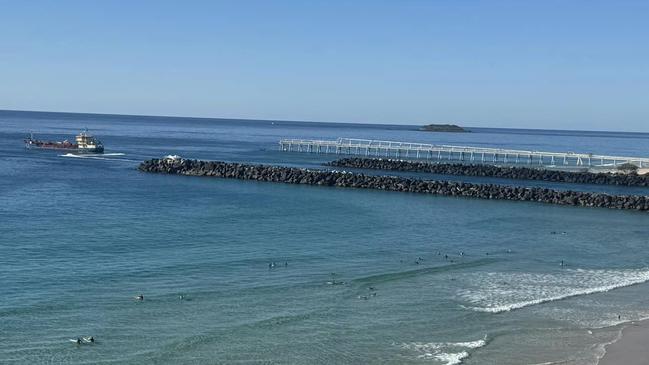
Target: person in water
(139, 297)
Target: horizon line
(306, 121)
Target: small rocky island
(452, 128)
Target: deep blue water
(80, 237)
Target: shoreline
(631, 347)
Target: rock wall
(521, 173)
(392, 183)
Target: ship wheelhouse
(87, 142)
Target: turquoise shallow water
(79, 237)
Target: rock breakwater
(291, 175)
(519, 173)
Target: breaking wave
(447, 353)
(503, 292)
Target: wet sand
(631, 349)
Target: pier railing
(408, 150)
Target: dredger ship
(84, 143)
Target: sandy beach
(632, 348)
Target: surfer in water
(139, 297)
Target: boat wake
(114, 154)
(102, 156)
(504, 292)
(447, 353)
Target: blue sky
(527, 64)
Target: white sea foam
(448, 353)
(452, 358)
(102, 156)
(502, 292)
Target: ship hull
(63, 148)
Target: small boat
(85, 143)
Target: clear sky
(529, 64)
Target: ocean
(360, 277)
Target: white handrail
(356, 143)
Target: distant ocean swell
(388, 277)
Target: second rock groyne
(517, 173)
(292, 175)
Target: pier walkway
(407, 150)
